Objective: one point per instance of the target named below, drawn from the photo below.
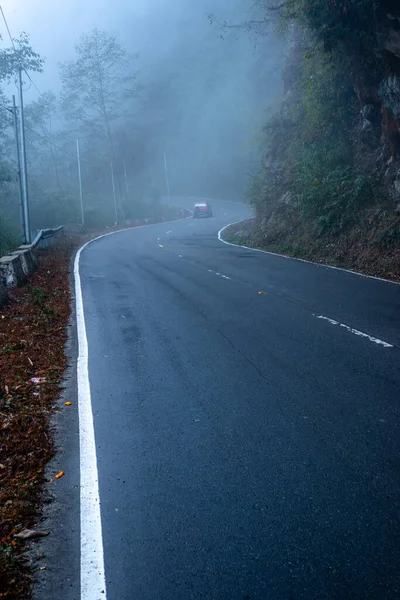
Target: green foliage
(335, 200)
(39, 296)
(387, 238)
(309, 144)
(21, 55)
(9, 239)
(351, 22)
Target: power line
(13, 45)
(33, 83)
(42, 137)
(28, 88)
(7, 27)
(48, 140)
(25, 71)
(12, 42)
(6, 107)
(56, 112)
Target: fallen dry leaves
(32, 361)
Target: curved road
(247, 444)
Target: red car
(202, 209)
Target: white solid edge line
(93, 583)
(92, 579)
(355, 331)
(303, 260)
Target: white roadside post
(80, 182)
(114, 194)
(167, 178)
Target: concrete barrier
(19, 265)
(3, 294)
(31, 249)
(11, 271)
(28, 260)
(15, 270)
(46, 237)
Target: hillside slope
(328, 188)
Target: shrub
(9, 239)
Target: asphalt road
(247, 444)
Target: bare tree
(98, 82)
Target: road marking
(355, 331)
(218, 274)
(93, 583)
(309, 262)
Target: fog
(200, 95)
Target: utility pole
(167, 178)
(21, 194)
(25, 203)
(80, 182)
(114, 194)
(126, 180)
(127, 189)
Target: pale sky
(214, 92)
(54, 26)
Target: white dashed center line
(356, 332)
(218, 274)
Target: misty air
(199, 299)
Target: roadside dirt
(32, 361)
(373, 249)
(33, 334)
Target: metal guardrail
(45, 237)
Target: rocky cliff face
(329, 185)
(380, 104)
